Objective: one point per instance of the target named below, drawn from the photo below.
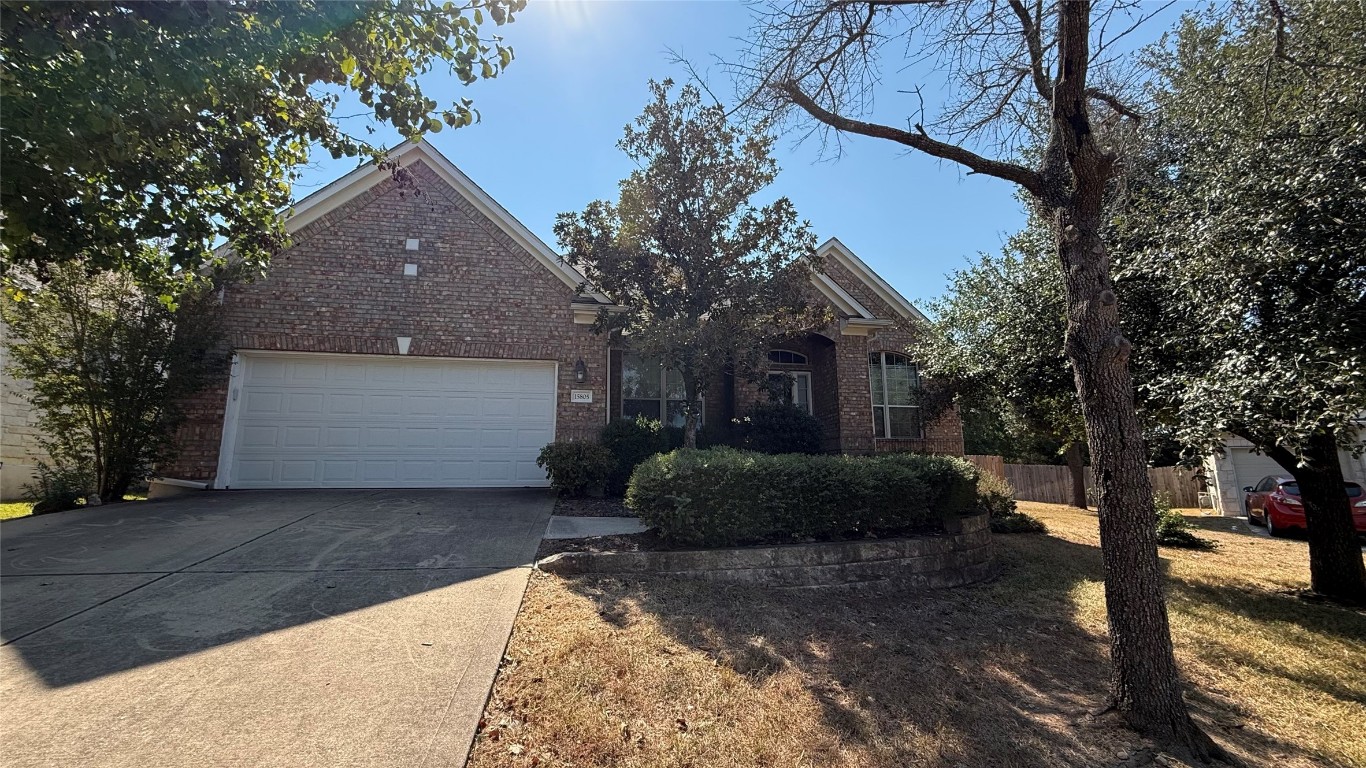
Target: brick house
(416, 334)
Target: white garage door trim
(384, 421)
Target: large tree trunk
(1335, 565)
(1078, 472)
(692, 410)
(1146, 689)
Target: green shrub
(1018, 522)
(723, 496)
(779, 428)
(996, 498)
(576, 468)
(1172, 528)
(59, 487)
(630, 441)
(950, 481)
(718, 434)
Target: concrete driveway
(260, 628)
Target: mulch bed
(592, 508)
(647, 541)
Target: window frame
(797, 357)
(882, 358)
(797, 378)
(663, 398)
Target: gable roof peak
(842, 255)
(368, 175)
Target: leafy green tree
(1259, 245)
(997, 339)
(127, 121)
(110, 361)
(706, 277)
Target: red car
(1275, 502)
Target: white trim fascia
(227, 442)
(841, 298)
(587, 314)
(555, 416)
(854, 326)
(371, 356)
(847, 259)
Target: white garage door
(1252, 467)
(334, 421)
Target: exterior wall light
(580, 371)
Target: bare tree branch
(1034, 44)
(1113, 103)
(920, 140)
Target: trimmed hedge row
(724, 497)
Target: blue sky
(546, 142)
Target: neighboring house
(415, 334)
(19, 451)
(1239, 467)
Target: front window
(894, 379)
(799, 393)
(651, 390)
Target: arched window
(893, 379)
(786, 357)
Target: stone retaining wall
(947, 560)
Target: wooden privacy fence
(1053, 483)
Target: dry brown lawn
(659, 672)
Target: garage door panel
(254, 470)
(345, 471)
(307, 373)
(459, 471)
(266, 372)
(260, 436)
(384, 405)
(424, 438)
(533, 438)
(342, 437)
(491, 438)
(423, 405)
(345, 404)
(304, 403)
(1251, 467)
(381, 438)
(348, 374)
(263, 403)
(535, 408)
(320, 421)
(460, 438)
(302, 437)
(298, 470)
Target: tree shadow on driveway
(125, 587)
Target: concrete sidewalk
(328, 628)
(566, 527)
